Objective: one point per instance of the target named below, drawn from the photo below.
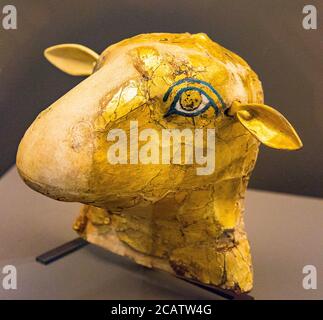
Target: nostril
(81, 135)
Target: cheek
(236, 150)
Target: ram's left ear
(71, 58)
(268, 125)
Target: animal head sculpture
(158, 143)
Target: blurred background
(268, 34)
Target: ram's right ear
(74, 59)
(268, 125)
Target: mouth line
(56, 193)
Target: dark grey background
(267, 33)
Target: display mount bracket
(78, 243)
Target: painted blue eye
(192, 100)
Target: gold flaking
(162, 216)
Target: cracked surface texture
(162, 216)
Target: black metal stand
(226, 294)
(61, 251)
(78, 243)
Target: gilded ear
(268, 125)
(74, 59)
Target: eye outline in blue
(172, 109)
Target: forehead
(181, 51)
(164, 59)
